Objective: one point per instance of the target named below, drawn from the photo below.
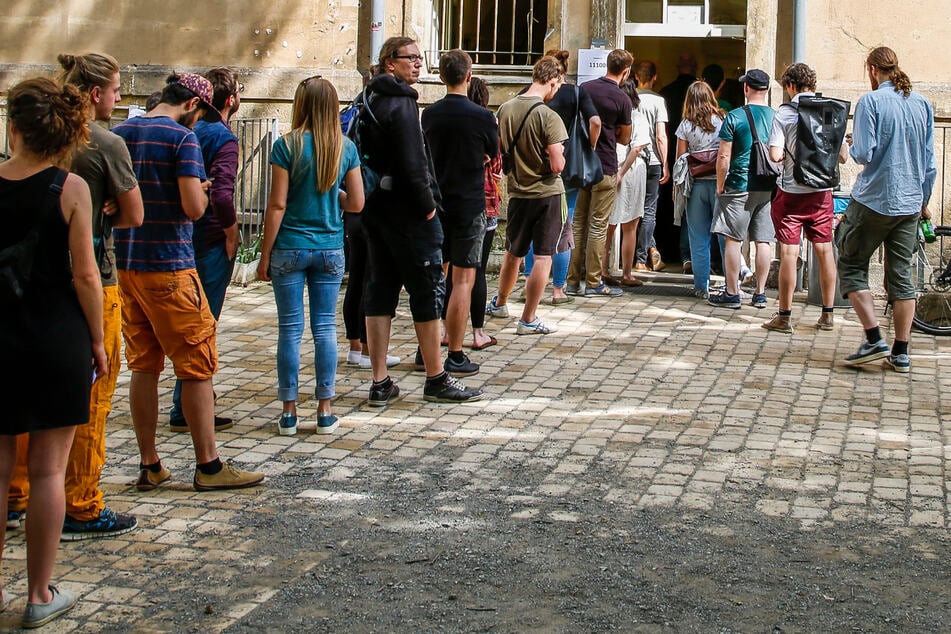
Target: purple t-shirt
(161, 150)
(614, 108)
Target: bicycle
(931, 274)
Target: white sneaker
(492, 310)
(353, 357)
(535, 327)
(364, 362)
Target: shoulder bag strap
(514, 144)
(749, 116)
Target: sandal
(604, 291)
(491, 342)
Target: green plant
(250, 252)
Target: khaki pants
(590, 232)
(88, 454)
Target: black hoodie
(396, 148)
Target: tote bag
(582, 165)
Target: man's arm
(594, 130)
(724, 155)
(556, 157)
(931, 165)
(223, 172)
(194, 196)
(622, 134)
(660, 132)
(130, 211)
(863, 134)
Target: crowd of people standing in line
(140, 238)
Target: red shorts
(795, 214)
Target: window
(495, 33)
(685, 18)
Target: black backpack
(361, 120)
(820, 131)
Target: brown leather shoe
(656, 263)
(826, 321)
(779, 323)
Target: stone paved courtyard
(655, 465)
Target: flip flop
(557, 301)
(632, 282)
(491, 342)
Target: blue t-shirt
(736, 128)
(161, 151)
(312, 219)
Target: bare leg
(427, 334)
(49, 450)
(198, 403)
(628, 246)
(535, 286)
(789, 254)
(508, 275)
(608, 243)
(8, 452)
(764, 256)
(143, 401)
(827, 271)
(457, 313)
(904, 313)
(864, 306)
(378, 341)
(731, 265)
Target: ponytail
(885, 60)
(50, 117)
(901, 81)
(88, 71)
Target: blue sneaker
(724, 300)
(493, 310)
(327, 423)
(15, 519)
(572, 290)
(899, 362)
(870, 352)
(108, 524)
(287, 425)
(759, 300)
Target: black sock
(899, 347)
(458, 356)
(439, 378)
(828, 309)
(385, 383)
(211, 468)
(785, 313)
(154, 468)
(873, 335)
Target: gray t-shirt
(654, 109)
(783, 134)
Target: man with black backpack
(800, 205)
(742, 197)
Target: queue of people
(138, 239)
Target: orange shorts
(166, 314)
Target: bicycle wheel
(931, 272)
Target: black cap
(756, 79)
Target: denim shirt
(893, 137)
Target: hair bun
(66, 60)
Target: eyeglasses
(240, 88)
(412, 58)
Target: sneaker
(868, 352)
(287, 424)
(746, 275)
(657, 264)
(826, 321)
(179, 425)
(700, 293)
(899, 362)
(779, 323)
(759, 300)
(724, 300)
(108, 524)
(327, 423)
(603, 291)
(149, 479)
(381, 396)
(364, 362)
(462, 368)
(39, 614)
(688, 267)
(353, 357)
(534, 327)
(572, 290)
(230, 477)
(492, 310)
(15, 519)
(450, 390)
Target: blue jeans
(700, 209)
(214, 271)
(645, 233)
(322, 272)
(559, 261)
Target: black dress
(45, 343)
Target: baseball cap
(755, 79)
(202, 89)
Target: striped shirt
(161, 150)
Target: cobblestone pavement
(640, 411)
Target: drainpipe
(377, 10)
(799, 31)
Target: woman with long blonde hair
(315, 175)
(698, 135)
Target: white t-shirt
(783, 134)
(700, 140)
(654, 109)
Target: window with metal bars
(497, 33)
